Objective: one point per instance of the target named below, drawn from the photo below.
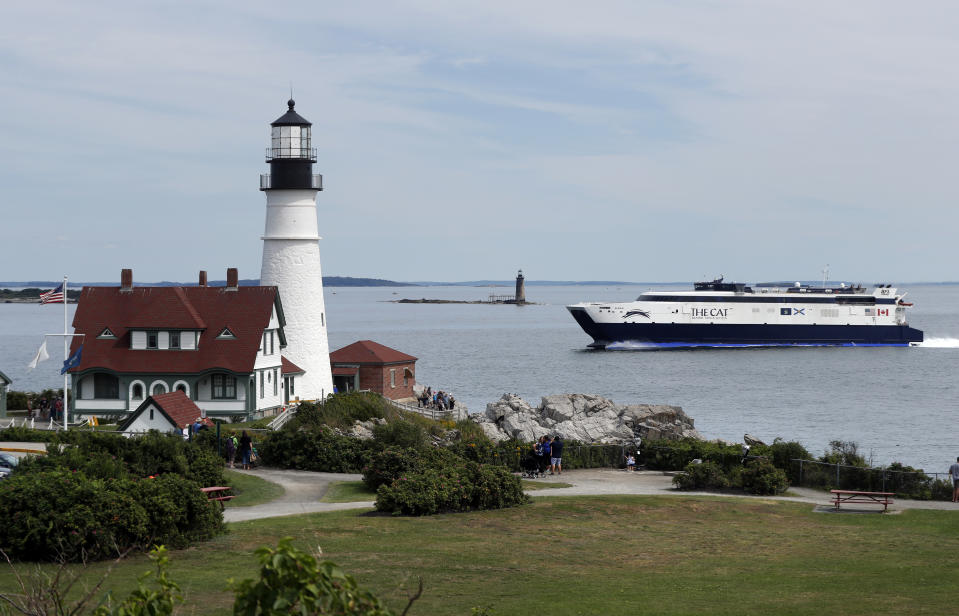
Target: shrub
(782, 453)
(315, 450)
(400, 433)
(701, 476)
(761, 477)
(676, 454)
(843, 452)
(293, 582)
(385, 467)
(342, 410)
(451, 488)
(16, 400)
(58, 513)
(105, 456)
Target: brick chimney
(202, 282)
(126, 281)
(232, 279)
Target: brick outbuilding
(370, 365)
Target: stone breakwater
(585, 418)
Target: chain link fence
(905, 483)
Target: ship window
(830, 312)
(755, 309)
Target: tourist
(452, 402)
(231, 449)
(954, 471)
(546, 446)
(246, 448)
(556, 456)
(630, 462)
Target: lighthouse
(291, 250)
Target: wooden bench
(855, 496)
(218, 493)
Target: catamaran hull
(744, 334)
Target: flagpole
(66, 356)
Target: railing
(281, 420)
(309, 153)
(266, 181)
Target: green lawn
(348, 492)
(250, 490)
(608, 555)
(532, 486)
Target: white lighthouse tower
(291, 250)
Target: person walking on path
(556, 456)
(954, 471)
(231, 449)
(246, 448)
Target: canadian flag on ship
(882, 312)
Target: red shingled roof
(178, 407)
(290, 368)
(368, 352)
(345, 370)
(245, 311)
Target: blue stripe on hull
(719, 334)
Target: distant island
(33, 288)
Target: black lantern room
(291, 155)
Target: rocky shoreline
(585, 418)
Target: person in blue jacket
(556, 456)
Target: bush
(315, 450)
(293, 582)
(17, 400)
(701, 476)
(400, 433)
(761, 477)
(62, 514)
(104, 456)
(342, 410)
(782, 453)
(387, 466)
(452, 488)
(676, 454)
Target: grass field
(348, 492)
(608, 555)
(250, 490)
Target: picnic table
(856, 496)
(218, 493)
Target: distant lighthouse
(291, 250)
(520, 288)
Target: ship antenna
(825, 275)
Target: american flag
(53, 296)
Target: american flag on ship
(53, 296)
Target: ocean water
(898, 404)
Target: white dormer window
(107, 333)
(226, 334)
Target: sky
(634, 140)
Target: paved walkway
(304, 489)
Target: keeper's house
(372, 366)
(220, 346)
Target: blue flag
(73, 361)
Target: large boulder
(583, 417)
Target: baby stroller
(531, 466)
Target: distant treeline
(31, 294)
(42, 287)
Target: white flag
(41, 355)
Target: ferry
(733, 314)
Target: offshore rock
(585, 418)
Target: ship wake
(940, 343)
